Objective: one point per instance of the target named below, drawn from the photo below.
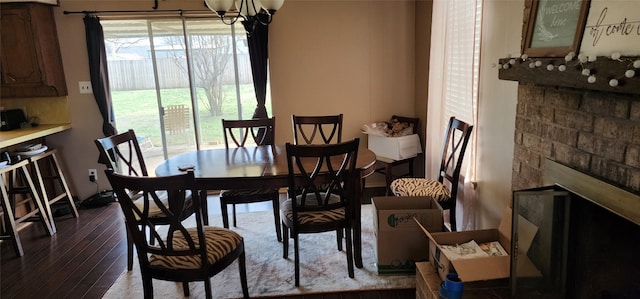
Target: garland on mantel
(607, 73)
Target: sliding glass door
(173, 80)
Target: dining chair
(182, 251)
(386, 165)
(123, 155)
(326, 177)
(317, 129)
(236, 134)
(445, 188)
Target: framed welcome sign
(554, 27)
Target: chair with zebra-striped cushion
(445, 188)
(184, 250)
(322, 186)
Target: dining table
(263, 166)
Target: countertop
(13, 137)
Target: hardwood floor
(86, 255)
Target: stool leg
(63, 181)
(38, 202)
(43, 194)
(10, 220)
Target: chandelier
(250, 12)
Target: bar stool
(8, 203)
(54, 174)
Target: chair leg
(225, 214)
(276, 216)
(205, 207)
(129, 249)
(339, 236)
(349, 252)
(285, 241)
(207, 289)
(243, 275)
(296, 253)
(185, 288)
(147, 286)
(234, 215)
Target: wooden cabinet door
(31, 60)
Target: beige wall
(366, 59)
(502, 26)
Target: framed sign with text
(554, 27)
(612, 26)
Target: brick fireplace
(591, 131)
(595, 134)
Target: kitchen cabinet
(30, 53)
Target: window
(453, 84)
(172, 80)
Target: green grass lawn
(138, 110)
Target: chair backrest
(261, 130)
(305, 129)
(122, 153)
(322, 177)
(176, 119)
(169, 194)
(413, 121)
(454, 147)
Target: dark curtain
(258, 41)
(98, 70)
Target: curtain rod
(180, 11)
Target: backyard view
(173, 80)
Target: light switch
(85, 87)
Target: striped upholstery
(220, 242)
(420, 187)
(315, 216)
(244, 192)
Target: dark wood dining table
(257, 167)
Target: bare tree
(210, 54)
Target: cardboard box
(396, 148)
(399, 241)
(480, 268)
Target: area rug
(322, 267)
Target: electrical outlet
(93, 175)
(85, 87)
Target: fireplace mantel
(603, 68)
(616, 200)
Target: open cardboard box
(395, 148)
(483, 268)
(399, 241)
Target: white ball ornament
(512, 61)
(591, 79)
(524, 57)
(538, 63)
(586, 72)
(592, 58)
(550, 67)
(629, 73)
(506, 66)
(532, 65)
(615, 55)
(613, 82)
(636, 64)
(562, 68)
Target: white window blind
(462, 52)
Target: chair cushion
(420, 187)
(246, 192)
(311, 217)
(220, 242)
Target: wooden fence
(138, 74)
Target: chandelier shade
(250, 12)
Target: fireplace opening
(585, 241)
(603, 253)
